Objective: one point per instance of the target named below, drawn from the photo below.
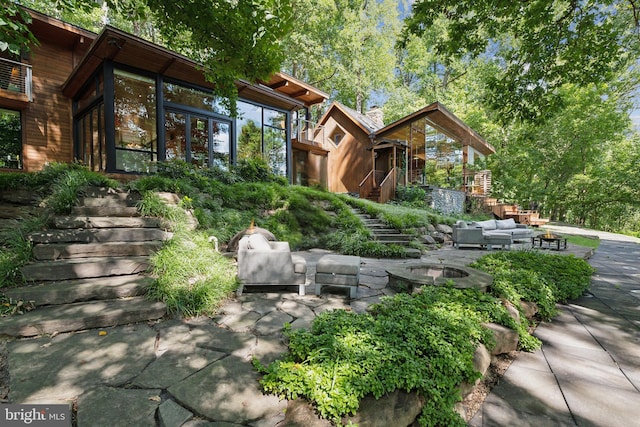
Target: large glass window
(10, 139)
(135, 122)
(177, 94)
(200, 140)
(92, 139)
(435, 158)
(262, 132)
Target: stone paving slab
(601, 404)
(68, 365)
(227, 390)
(175, 365)
(109, 407)
(513, 400)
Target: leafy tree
(344, 47)
(577, 165)
(538, 45)
(233, 39)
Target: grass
(589, 242)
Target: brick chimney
(376, 115)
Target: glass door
(197, 139)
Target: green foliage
(65, 182)
(153, 206)
(15, 249)
(422, 342)
(545, 279)
(252, 51)
(540, 45)
(411, 196)
(590, 242)
(191, 277)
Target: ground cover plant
(422, 342)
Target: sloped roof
(440, 118)
(281, 90)
(368, 125)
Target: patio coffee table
(551, 240)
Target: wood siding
(48, 120)
(349, 161)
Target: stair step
(393, 237)
(115, 211)
(118, 199)
(70, 291)
(115, 193)
(383, 230)
(395, 242)
(100, 235)
(81, 316)
(81, 268)
(53, 251)
(66, 222)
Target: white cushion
(505, 223)
(258, 242)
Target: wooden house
(430, 147)
(119, 104)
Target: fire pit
(550, 240)
(406, 278)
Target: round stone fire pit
(407, 277)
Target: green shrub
(566, 276)
(421, 342)
(15, 250)
(191, 277)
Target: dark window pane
(193, 97)
(175, 136)
(10, 139)
(135, 118)
(220, 139)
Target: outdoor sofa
(264, 263)
(490, 233)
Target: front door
(198, 139)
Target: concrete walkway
(199, 372)
(587, 372)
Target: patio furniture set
(269, 263)
(264, 262)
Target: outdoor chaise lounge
(490, 233)
(265, 263)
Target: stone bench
(338, 270)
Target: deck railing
(16, 77)
(366, 185)
(388, 187)
(307, 131)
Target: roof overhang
(342, 109)
(126, 49)
(445, 121)
(61, 33)
(296, 89)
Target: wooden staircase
(89, 269)
(508, 210)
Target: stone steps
(82, 268)
(381, 232)
(67, 222)
(99, 235)
(71, 291)
(88, 268)
(83, 315)
(54, 251)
